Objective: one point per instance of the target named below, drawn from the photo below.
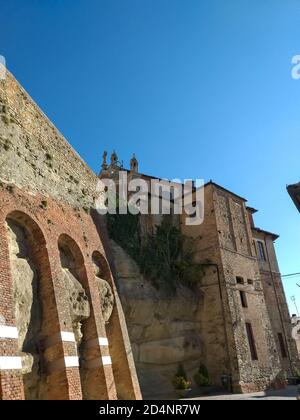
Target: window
(251, 341)
(261, 251)
(243, 299)
(239, 280)
(249, 281)
(282, 345)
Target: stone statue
(134, 165)
(104, 162)
(113, 159)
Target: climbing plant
(165, 257)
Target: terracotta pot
(182, 393)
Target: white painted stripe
(8, 332)
(10, 362)
(103, 341)
(67, 336)
(106, 360)
(71, 361)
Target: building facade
(242, 321)
(78, 320)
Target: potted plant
(280, 380)
(181, 383)
(202, 380)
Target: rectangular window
(249, 281)
(261, 251)
(243, 299)
(251, 341)
(239, 280)
(282, 345)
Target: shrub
(201, 377)
(180, 380)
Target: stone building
(62, 328)
(67, 290)
(238, 323)
(294, 191)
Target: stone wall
(55, 338)
(225, 238)
(35, 156)
(276, 303)
(164, 329)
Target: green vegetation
(180, 380)
(165, 258)
(201, 377)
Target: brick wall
(48, 190)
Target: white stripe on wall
(67, 336)
(71, 361)
(8, 332)
(103, 341)
(10, 362)
(106, 360)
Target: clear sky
(196, 88)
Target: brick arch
(77, 274)
(67, 242)
(118, 343)
(101, 261)
(43, 321)
(34, 231)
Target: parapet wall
(33, 153)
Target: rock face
(27, 308)
(164, 330)
(78, 300)
(105, 292)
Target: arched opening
(29, 263)
(103, 282)
(114, 332)
(76, 289)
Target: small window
(251, 341)
(243, 299)
(240, 280)
(261, 251)
(249, 281)
(257, 285)
(282, 346)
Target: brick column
(97, 372)
(60, 352)
(11, 383)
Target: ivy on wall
(165, 258)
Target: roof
(294, 191)
(265, 232)
(224, 189)
(251, 210)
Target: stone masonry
(236, 323)
(64, 284)
(62, 330)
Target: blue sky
(197, 89)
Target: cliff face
(164, 330)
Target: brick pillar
(60, 352)
(11, 383)
(97, 372)
(125, 374)
(120, 348)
